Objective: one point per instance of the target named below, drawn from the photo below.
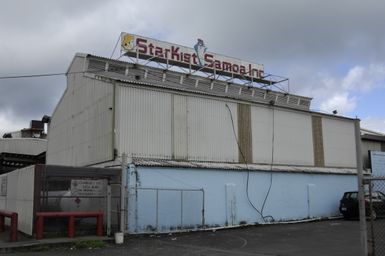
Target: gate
(165, 209)
(375, 212)
(77, 189)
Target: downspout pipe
(123, 189)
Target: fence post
(157, 210)
(361, 196)
(122, 192)
(181, 209)
(108, 213)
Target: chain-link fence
(66, 189)
(375, 209)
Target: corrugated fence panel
(339, 142)
(210, 132)
(19, 196)
(144, 122)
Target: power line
(32, 76)
(45, 75)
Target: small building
(23, 148)
(371, 141)
(203, 152)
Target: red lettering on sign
(159, 51)
(142, 47)
(226, 66)
(166, 52)
(174, 53)
(195, 59)
(242, 70)
(217, 64)
(187, 57)
(209, 60)
(235, 68)
(151, 48)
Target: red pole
(99, 224)
(71, 226)
(13, 234)
(39, 227)
(2, 222)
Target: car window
(351, 195)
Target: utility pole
(361, 192)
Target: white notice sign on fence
(88, 187)
(378, 163)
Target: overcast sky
(333, 51)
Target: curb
(30, 244)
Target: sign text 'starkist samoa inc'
(196, 58)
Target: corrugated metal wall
(81, 129)
(162, 125)
(154, 124)
(293, 143)
(143, 122)
(368, 145)
(210, 132)
(339, 143)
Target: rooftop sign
(197, 58)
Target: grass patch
(91, 244)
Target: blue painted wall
(293, 196)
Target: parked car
(349, 204)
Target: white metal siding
(339, 142)
(210, 132)
(20, 196)
(262, 134)
(153, 124)
(143, 122)
(180, 127)
(80, 131)
(292, 137)
(27, 146)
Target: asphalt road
(337, 237)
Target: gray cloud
(301, 39)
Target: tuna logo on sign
(200, 49)
(128, 42)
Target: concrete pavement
(333, 237)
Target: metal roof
(127, 72)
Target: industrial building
(371, 141)
(203, 152)
(209, 144)
(23, 148)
